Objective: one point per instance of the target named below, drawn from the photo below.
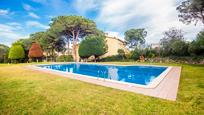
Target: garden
(25, 91)
(74, 38)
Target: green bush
(179, 48)
(136, 54)
(114, 58)
(92, 45)
(178, 59)
(150, 55)
(121, 53)
(196, 47)
(64, 58)
(16, 53)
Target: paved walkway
(166, 89)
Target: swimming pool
(134, 74)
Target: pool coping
(111, 83)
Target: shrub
(196, 47)
(136, 54)
(121, 53)
(65, 58)
(179, 48)
(92, 45)
(112, 58)
(35, 51)
(16, 53)
(26, 43)
(128, 55)
(151, 55)
(84, 51)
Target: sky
(20, 18)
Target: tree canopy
(191, 11)
(50, 41)
(74, 28)
(54, 41)
(197, 45)
(3, 52)
(35, 51)
(200, 39)
(170, 39)
(26, 43)
(179, 48)
(134, 37)
(16, 52)
(92, 45)
(171, 35)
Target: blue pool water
(142, 75)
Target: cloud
(90, 5)
(27, 7)
(155, 16)
(5, 12)
(115, 34)
(36, 24)
(14, 24)
(56, 7)
(40, 1)
(33, 15)
(9, 34)
(17, 26)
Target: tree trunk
(74, 45)
(203, 19)
(202, 16)
(68, 46)
(45, 56)
(52, 54)
(76, 51)
(75, 37)
(95, 57)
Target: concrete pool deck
(166, 89)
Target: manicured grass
(24, 91)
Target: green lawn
(24, 91)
